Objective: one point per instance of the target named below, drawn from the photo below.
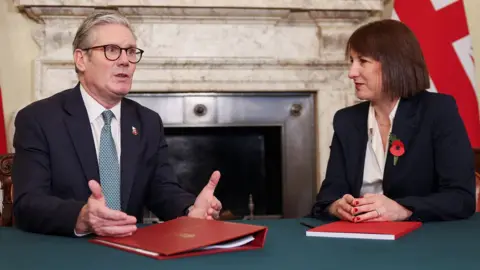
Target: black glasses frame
(104, 47)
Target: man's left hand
(206, 205)
(378, 207)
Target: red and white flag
(441, 28)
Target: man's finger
(116, 230)
(124, 235)
(213, 182)
(209, 189)
(100, 222)
(109, 214)
(217, 205)
(96, 189)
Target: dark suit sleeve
(454, 166)
(335, 184)
(166, 199)
(35, 209)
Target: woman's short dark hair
(393, 44)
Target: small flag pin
(134, 131)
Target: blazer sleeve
(335, 184)
(35, 208)
(166, 198)
(454, 167)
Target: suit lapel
(80, 131)
(359, 147)
(131, 133)
(404, 128)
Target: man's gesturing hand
(96, 217)
(207, 205)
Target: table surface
(440, 245)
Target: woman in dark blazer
(403, 153)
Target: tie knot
(107, 117)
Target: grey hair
(83, 37)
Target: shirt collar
(371, 115)
(95, 109)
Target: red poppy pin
(134, 131)
(397, 149)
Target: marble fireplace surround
(212, 46)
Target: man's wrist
(81, 227)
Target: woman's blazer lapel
(358, 144)
(404, 128)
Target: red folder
(184, 237)
(387, 230)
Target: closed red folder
(184, 237)
(387, 230)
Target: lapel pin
(134, 131)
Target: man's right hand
(95, 217)
(342, 208)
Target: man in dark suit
(88, 160)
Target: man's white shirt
(94, 111)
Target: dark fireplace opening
(249, 159)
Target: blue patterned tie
(108, 164)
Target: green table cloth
(440, 245)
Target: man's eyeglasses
(112, 52)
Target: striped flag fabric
(441, 28)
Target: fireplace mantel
(268, 4)
(218, 46)
(211, 45)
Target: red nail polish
(357, 219)
(356, 202)
(355, 210)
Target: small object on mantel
(251, 206)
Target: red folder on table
(184, 237)
(387, 230)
